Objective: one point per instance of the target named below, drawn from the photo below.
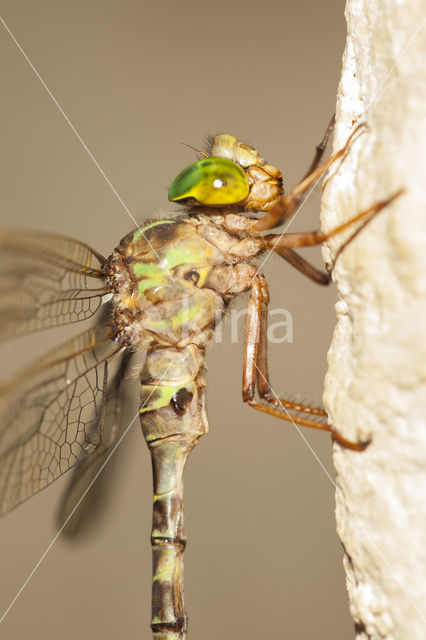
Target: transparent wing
(90, 482)
(46, 281)
(51, 415)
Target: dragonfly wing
(46, 281)
(51, 415)
(77, 510)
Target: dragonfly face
(233, 173)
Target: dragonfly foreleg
(255, 373)
(321, 147)
(293, 200)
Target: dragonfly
(163, 290)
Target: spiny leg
(292, 200)
(379, 206)
(255, 356)
(293, 258)
(321, 147)
(310, 238)
(255, 373)
(305, 267)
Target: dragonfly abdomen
(173, 418)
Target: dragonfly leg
(291, 201)
(321, 147)
(302, 265)
(255, 373)
(310, 238)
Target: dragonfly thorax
(171, 281)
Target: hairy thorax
(173, 278)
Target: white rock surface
(376, 385)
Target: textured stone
(376, 384)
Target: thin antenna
(202, 153)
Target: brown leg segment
(291, 201)
(305, 267)
(310, 238)
(255, 373)
(319, 150)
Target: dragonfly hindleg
(255, 373)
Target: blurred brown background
(136, 79)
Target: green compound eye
(211, 181)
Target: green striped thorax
(160, 272)
(210, 182)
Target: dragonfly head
(233, 173)
(213, 182)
